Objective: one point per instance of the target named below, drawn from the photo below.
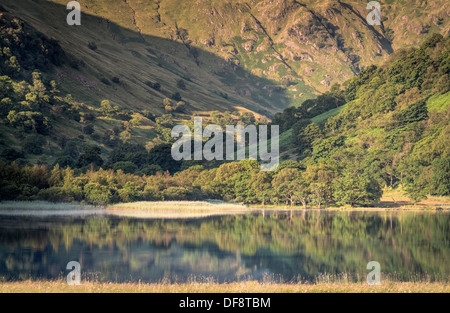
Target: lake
(287, 246)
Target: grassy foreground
(241, 287)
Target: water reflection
(280, 246)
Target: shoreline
(185, 209)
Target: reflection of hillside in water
(227, 248)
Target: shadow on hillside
(179, 60)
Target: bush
(97, 194)
(89, 117)
(181, 84)
(108, 109)
(33, 145)
(88, 129)
(414, 113)
(105, 81)
(175, 193)
(176, 96)
(129, 192)
(11, 155)
(115, 80)
(149, 115)
(29, 121)
(64, 161)
(156, 86)
(125, 166)
(92, 45)
(440, 181)
(92, 155)
(55, 194)
(152, 170)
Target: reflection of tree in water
(290, 245)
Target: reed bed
(178, 205)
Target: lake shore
(240, 287)
(392, 201)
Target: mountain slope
(305, 45)
(394, 128)
(239, 56)
(308, 44)
(136, 58)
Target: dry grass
(392, 200)
(241, 287)
(178, 205)
(176, 209)
(398, 196)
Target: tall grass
(176, 209)
(178, 206)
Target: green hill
(149, 59)
(393, 128)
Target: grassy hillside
(307, 45)
(160, 62)
(103, 61)
(136, 58)
(225, 46)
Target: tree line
(316, 186)
(394, 118)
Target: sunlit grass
(238, 287)
(391, 200)
(178, 205)
(324, 116)
(176, 209)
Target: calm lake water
(286, 246)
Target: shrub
(97, 194)
(11, 155)
(88, 129)
(175, 193)
(149, 115)
(156, 86)
(92, 155)
(33, 144)
(152, 170)
(107, 109)
(176, 96)
(125, 166)
(92, 45)
(181, 84)
(89, 117)
(29, 121)
(65, 161)
(105, 81)
(129, 192)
